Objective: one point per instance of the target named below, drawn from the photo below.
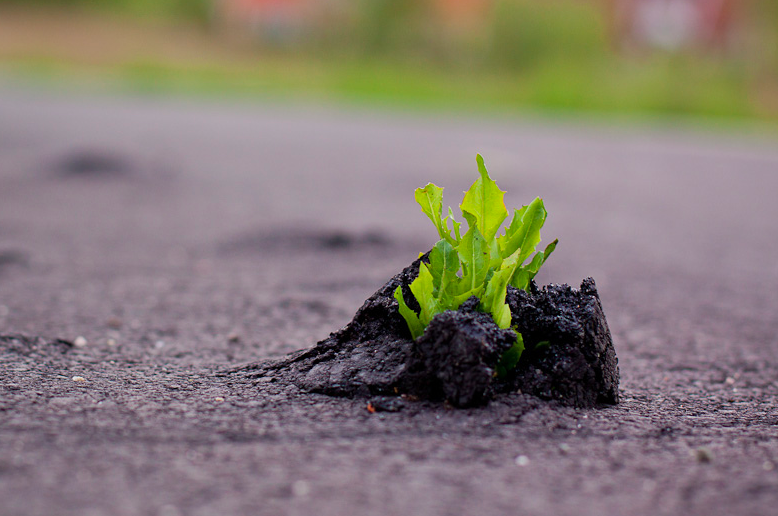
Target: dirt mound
(569, 353)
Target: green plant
(479, 263)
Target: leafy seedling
(481, 262)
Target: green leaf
(493, 300)
(472, 221)
(524, 231)
(484, 203)
(411, 318)
(510, 358)
(524, 275)
(547, 251)
(462, 296)
(423, 289)
(511, 230)
(444, 265)
(430, 198)
(454, 223)
(474, 254)
(495, 259)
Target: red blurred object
(675, 24)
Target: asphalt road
(178, 239)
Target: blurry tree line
(469, 34)
(186, 10)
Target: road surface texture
(166, 242)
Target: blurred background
(716, 59)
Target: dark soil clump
(457, 355)
(569, 354)
(369, 356)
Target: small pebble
(79, 379)
(233, 338)
(703, 455)
(729, 381)
(159, 344)
(300, 488)
(522, 460)
(80, 342)
(564, 448)
(218, 399)
(385, 404)
(111, 342)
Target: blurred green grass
(553, 58)
(191, 10)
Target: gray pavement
(180, 238)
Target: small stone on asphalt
(300, 488)
(79, 379)
(703, 455)
(80, 342)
